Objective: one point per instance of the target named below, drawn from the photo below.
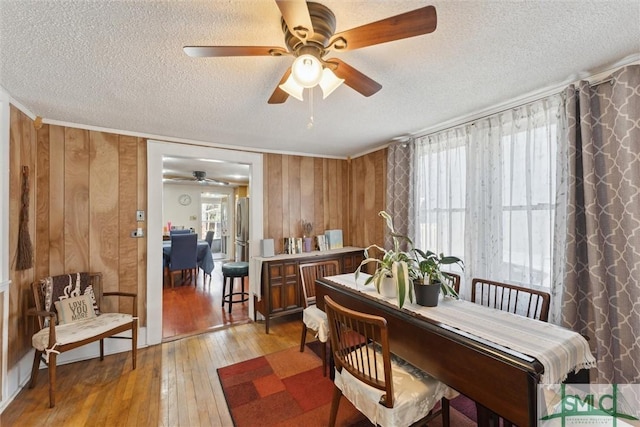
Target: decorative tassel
(24, 254)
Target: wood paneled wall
(85, 189)
(343, 194)
(367, 180)
(304, 188)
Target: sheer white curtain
(486, 192)
(484, 232)
(439, 191)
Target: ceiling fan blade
(279, 96)
(354, 78)
(176, 178)
(214, 51)
(215, 181)
(410, 24)
(296, 15)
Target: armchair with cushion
(68, 312)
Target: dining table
(494, 357)
(203, 255)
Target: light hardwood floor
(175, 383)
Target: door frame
(156, 150)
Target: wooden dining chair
(312, 317)
(454, 281)
(184, 257)
(386, 389)
(514, 299)
(518, 300)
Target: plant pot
(426, 295)
(388, 287)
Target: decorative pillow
(74, 309)
(65, 286)
(92, 295)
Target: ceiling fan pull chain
(310, 124)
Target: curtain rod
(609, 80)
(532, 97)
(525, 102)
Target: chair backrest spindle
(512, 298)
(360, 344)
(310, 272)
(453, 281)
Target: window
(440, 194)
(528, 205)
(211, 214)
(485, 192)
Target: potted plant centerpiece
(392, 277)
(397, 269)
(429, 278)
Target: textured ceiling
(120, 65)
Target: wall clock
(184, 199)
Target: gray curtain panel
(602, 278)
(400, 190)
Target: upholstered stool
(231, 270)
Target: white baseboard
(18, 376)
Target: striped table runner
(559, 350)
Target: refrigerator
(242, 229)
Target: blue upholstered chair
(184, 256)
(175, 232)
(209, 238)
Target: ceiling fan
(197, 176)
(309, 34)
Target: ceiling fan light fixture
(292, 88)
(329, 82)
(307, 70)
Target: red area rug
(287, 389)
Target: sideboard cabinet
(280, 287)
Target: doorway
(216, 218)
(156, 150)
